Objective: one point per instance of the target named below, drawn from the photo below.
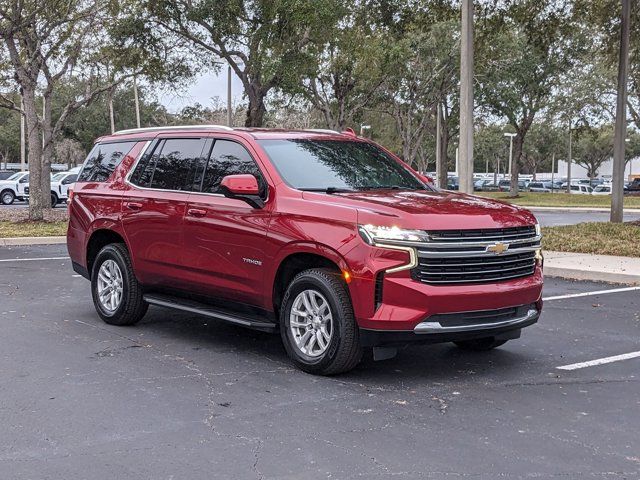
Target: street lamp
(510, 135)
(364, 127)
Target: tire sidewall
(300, 284)
(110, 253)
(5, 193)
(54, 200)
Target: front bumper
(457, 327)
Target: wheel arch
(98, 239)
(296, 259)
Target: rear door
(154, 205)
(224, 237)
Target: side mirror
(426, 178)
(242, 187)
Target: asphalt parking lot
(184, 397)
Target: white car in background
(604, 189)
(60, 183)
(12, 188)
(581, 189)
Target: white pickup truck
(13, 188)
(60, 183)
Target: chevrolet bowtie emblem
(498, 248)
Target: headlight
(374, 234)
(538, 230)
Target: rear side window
(229, 158)
(103, 160)
(171, 165)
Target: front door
(224, 237)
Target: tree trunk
(257, 108)
(47, 153)
(34, 139)
(518, 142)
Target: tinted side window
(103, 160)
(229, 158)
(174, 166)
(69, 179)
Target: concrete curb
(596, 268)
(20, 241)
(577, 209)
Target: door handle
(196, 212)
(135, 206)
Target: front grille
(484, 234)
(466, 256)
(26, 190)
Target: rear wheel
(480, 344)
(7, 197)
(117, 295)
(317, 324)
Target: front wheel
(317, 324)
(54, 200)
(7, 197)
(480, 344)
(117, 295)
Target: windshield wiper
(386, 187)
(327, 190)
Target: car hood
(433, 210)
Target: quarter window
(103, 160)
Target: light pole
(364, 127)
(229, 114)
(466, 98)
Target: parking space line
(600, 361)
(587, 294)
(31, 259)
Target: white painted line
(600, 361)
(587, 294)
(32, 259)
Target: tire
(7, 197)
(480, 344)
(130, 307)
(342, 351)
(54, 200)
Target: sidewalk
(598, 268)
(16, 241)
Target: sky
(201, 90)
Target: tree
(69, 151)
(525, 50)
(544, 141)
(47, 41)
(422, 60)
(593, 147)
(267, 43)
(351, 67)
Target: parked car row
(16, 187)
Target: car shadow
(434, 363)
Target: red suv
(326, 237)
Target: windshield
(58, 176)
(15, 176)
(337, 165)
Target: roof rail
(321, 130)
(173, 127)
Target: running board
(192, 306)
